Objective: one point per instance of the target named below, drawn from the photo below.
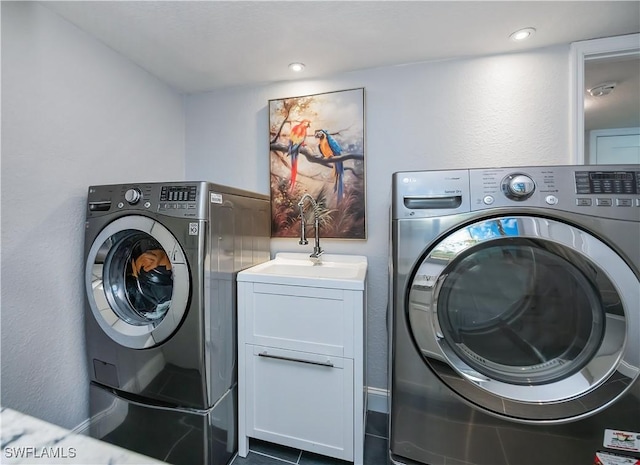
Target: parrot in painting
(329, 147)
(296, 140)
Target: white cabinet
(301, 367)
(291, 400)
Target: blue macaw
(329, 147)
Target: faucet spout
(317, 250)
(303, 239)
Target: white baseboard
(378, 400)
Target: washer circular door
(137, 281)
(527, 317)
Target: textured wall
(74, 113)
(500, 110)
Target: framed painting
(316, 147)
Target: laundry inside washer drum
(150, 284)
(150, 292)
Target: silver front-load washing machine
(515, 322)
(160, 276)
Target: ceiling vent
(602, 89)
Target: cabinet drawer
(299, 318)
(300, 400)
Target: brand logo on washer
(193, 229)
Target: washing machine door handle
(474, 376)
(435, 322)
(463, 370)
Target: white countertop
(28, 440)
(333, 271)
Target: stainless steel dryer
(515, 322)
(161, 264)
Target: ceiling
(196, 46)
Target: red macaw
(296, 140)
(329, 147)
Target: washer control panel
(183, 200)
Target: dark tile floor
(376, 445)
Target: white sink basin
(334, 271)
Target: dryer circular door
(527, 317)
(137, 281)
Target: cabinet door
(300, 400)
(298, 318)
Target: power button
(551, 199)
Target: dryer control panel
(605, 191)
(611, 191)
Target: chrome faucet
(317, 251)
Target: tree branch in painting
(311, 157)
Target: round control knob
(133, 196)
(518, 186)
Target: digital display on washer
(612, 176)
(607, 182)
(178, 193)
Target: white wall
(505, 110)
(74, 113)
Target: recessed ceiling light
(296, 67)
(522, 34)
